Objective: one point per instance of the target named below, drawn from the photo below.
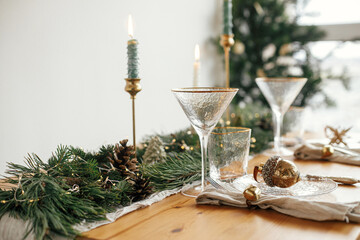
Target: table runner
(13, 228)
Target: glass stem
(204, 144)
(278, 120)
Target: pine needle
(177, 170)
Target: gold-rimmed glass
(228, 152)
(204, 107)
(280, 93)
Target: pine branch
(66, 190)
(177, 170)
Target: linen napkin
(306, 208)
(314, 152)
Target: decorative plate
(306, 187)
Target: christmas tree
(155, 151)
(270, 43)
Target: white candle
(197, 65)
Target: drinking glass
(280, 93)
(204, 107)
(228, 152)
(293, 126)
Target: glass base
(192, 191)
(284, 152)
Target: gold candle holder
(133, 87)
(227, 41)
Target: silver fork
(215, 184)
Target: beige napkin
(314, 152)
(297, 207)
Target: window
(341, 21)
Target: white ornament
(268, 52)
(295, 71)
(285, 61)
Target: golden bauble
(285, 49)
(252, 193)
(327, 151)
(239, 48)
(286, 174)
(227, 40)
(278, 172)
(260, 73)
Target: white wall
(63, 64)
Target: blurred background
(63, 64)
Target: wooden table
(178, 217)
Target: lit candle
(197, 65)
(133, 60)
(227, 17)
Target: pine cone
(71, 181)
(141, 187)
(122, 158)
(265, 123)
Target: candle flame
(197, 52)
(130, 27)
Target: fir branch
(66, 190)
(177, 170)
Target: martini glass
(204, 107)
(280, 93)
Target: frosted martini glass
(280, 94)
(204, 107)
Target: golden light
(197, 52)
(130, 27)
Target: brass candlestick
(227, 41)
(133, 87)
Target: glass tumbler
(228, 152)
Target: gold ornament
(278, 172)
(252, 193)
(327, 151)
(336, 136)
(239, 48)
(285, 49)
(260, 73)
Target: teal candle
(133, 60)
(132, 52)
(227, 17)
